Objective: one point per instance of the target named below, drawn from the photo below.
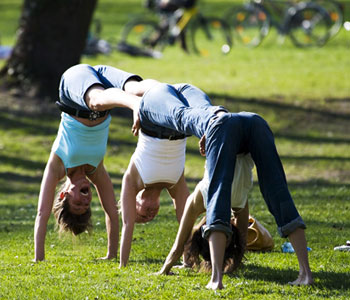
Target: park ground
(304, 94)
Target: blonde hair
(67, 221)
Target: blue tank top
(77, 144)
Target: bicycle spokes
(309, 27)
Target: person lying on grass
(77, 154)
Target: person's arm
(130, 189)
(98, 98)
(179, 194)
(104, 187)
(138, 88)
(193, 208)
(51, 177)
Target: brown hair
(197, 247)
(66, 221)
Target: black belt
(164, 136)
(85, 114)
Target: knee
(70, 76)
(75, 70)
(259, 123)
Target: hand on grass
(161, 272)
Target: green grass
(303, 94)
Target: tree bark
(51, 37)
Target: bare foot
(302, 280)
(214, 285)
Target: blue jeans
(226, 136)
(183, 108)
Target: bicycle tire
(309, 25)
(335, 11)
(250, 24)
(139, 34)
(210, 36)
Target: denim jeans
(183, 108)
(77, 79)
(226, 136)
(185, 95)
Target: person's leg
(75, 82)
(273, 185)
(162, 105)
(272, 180)
(195, 97)
(217, 245)
(223, 142)
(298, 240)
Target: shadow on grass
(26, 124)
(324, 280)
(299, 123)
(316, 183)
(282, 106)
(315, 158)
(21, 162)
(10, 176)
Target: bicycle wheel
(335, 11)
(250, 24)
(309, 26)
(210, 36)
(140, 37)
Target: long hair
(66, 221)
(197, 247)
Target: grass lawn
(305, 97)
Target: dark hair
(197, 247)
(66, 221)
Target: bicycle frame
(145, 36)
(187, 16)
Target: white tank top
(241, 185)
(159, 160)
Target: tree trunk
(51, 38)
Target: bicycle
(146, 36)
(306, 23)
(336, 13)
